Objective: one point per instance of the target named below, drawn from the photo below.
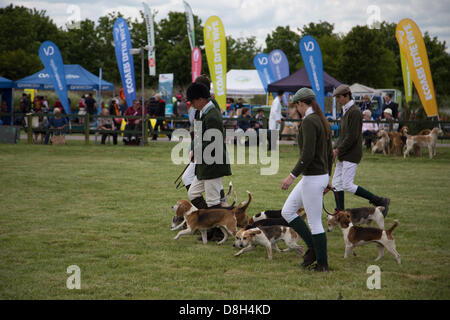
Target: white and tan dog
(382, 144)
(268, 237)
(359, 216)
(356, 236)
(422, 141)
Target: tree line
(365, 55)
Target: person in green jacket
(210, 154)
(349, 152)
(315, 163)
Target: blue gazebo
(6, 95)
(77, 79)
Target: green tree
(22, 31)
(173, 52)
(240, 52)
(286, 40)
(16, 64)
(365, 60)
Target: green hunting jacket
(349, 142)
(316, 154)
(220, 166)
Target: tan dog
(203, 219)
(421, 141)
(268, 237)
(356, 236)
(397, 139)
(382, 144)
(417, 149)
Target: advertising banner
(216, 55)
(54, 66)
(190, 24)
(411, 44)
(150, 40)
(312, 58)
(125, 63)
(262, 64)
(165, 87)
(196, 63)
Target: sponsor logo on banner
(411, 44)
(122, 42)
(196, 62)
(407, 81)
(280, 68)
(150, 39)
(262, 64)
(54, 66)
(216, 55)
(312, 58)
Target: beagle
(267, 236)
(271, 214)
(179, 222)
(359, 216)
(355, 236)
(203, 219)
(421, 141)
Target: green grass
(107, 209)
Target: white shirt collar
(308, 112)
(206, 108)
(347, 106)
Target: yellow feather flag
(411, 44)
(407, 81)
(216, 55)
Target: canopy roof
(243, 83)
(77, 79)
(5, 83)
(360, 89)
(299, 79)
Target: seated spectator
(387, 123)
(244, 124)
(40, 128)
(369, 129)
(106, 124)
(133, 124)
(4, 109)
(157, 108)
(114, 109)
(258, 122)
(57, 124)
(366, 104)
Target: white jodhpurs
(189, 174)
(308, 193)
(210, 187)
(344, 174)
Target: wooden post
(145, 129)
(30, 128)
(86, 128)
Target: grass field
(107, 209)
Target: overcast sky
(244, 18)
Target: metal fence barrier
(88, 126)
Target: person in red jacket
(133, 124)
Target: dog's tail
(389, 232)
(244, 207)
(230, 190)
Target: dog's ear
(254, 233)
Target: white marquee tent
(243, 83)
